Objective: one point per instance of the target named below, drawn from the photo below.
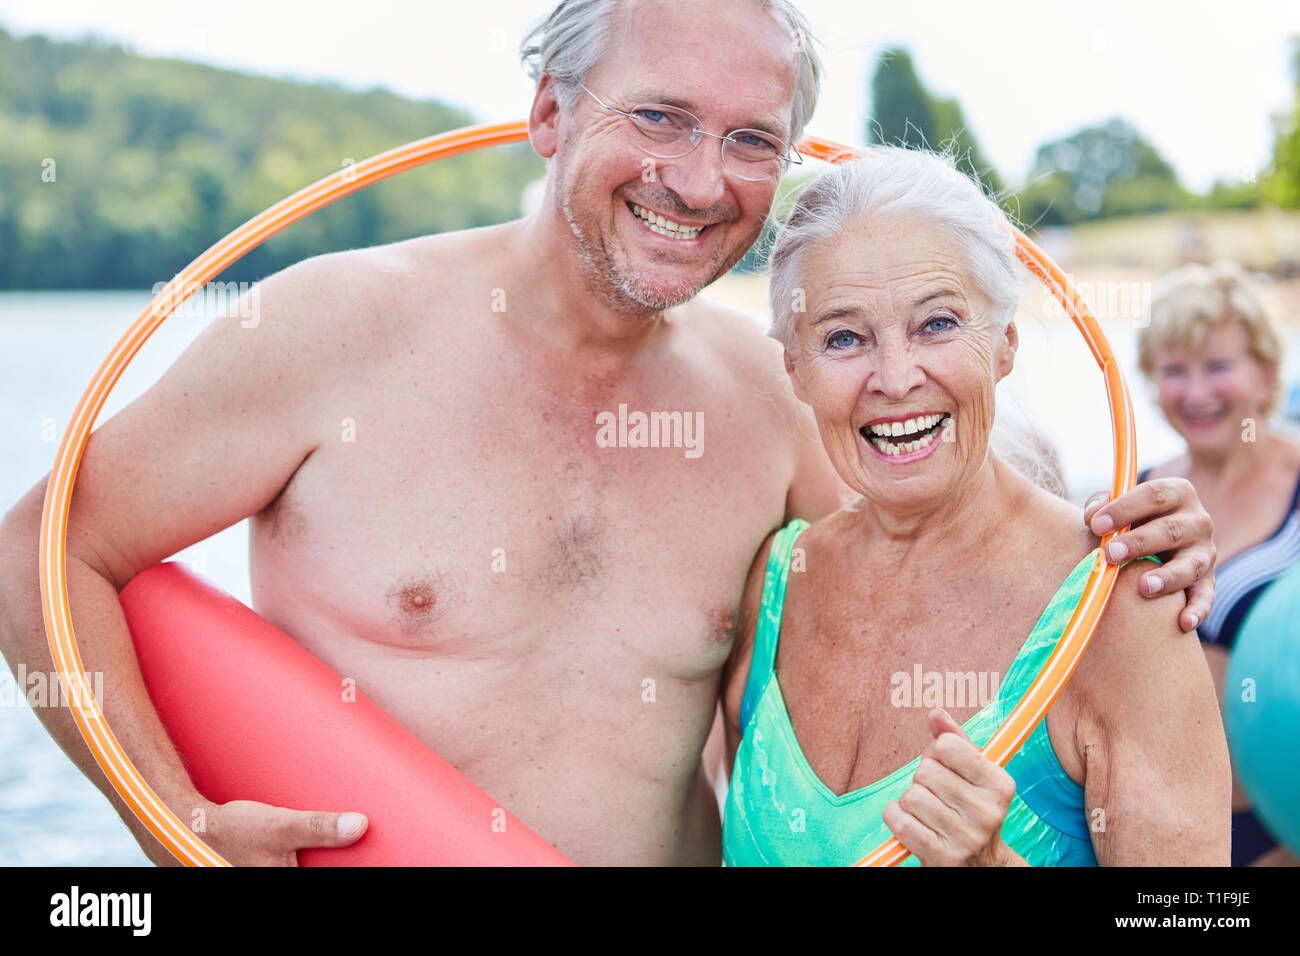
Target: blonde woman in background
(1214, 356)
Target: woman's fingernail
(1154, 585)
(1196, 619)
(1103, 524)
(350, 824)
(1117, 550)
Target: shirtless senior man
(494, 577)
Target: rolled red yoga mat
(257, 717)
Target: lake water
(51, 344)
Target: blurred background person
(1214, 356)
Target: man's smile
(663, 226)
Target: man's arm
(211, 443)
(1150, 739)
(817, 489)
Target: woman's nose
(896, 372)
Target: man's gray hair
(568, 43)
(894, 181)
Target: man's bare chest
(453, 520)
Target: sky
(1200, 79)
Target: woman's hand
(952, 813)
(1166, 516)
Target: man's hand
(952, 813)
(256, 834)
(1167, 517)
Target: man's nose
(699, 177)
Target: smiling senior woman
(1214, 355)
(894, 288)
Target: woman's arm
(1148, 734)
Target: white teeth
(665, 227)
(909, 427)
(886, 430)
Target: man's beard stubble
(617, 290)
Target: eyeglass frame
(698, 132)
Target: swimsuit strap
(763, 660)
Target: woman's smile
(904, 439)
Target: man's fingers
(1155, 497)
(315, 828)
(1170, 533)
(1200, 598)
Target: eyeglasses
(670, 133)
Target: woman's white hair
(895, 182)
(917, 184)
(568, 43)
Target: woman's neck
(1229, 467)
(953, 525)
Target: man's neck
(562, 307)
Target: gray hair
(894, 181)
(568, 43)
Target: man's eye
(842, 339)
(756, 142)
(652, 116)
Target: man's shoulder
(736, 340)
(376, 285)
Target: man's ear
(1008, 360)
(544, 119)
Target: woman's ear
(793, 369)
(1007, 360)
(544, 119)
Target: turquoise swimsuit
(779, 812)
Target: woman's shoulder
(1050, 527)
(1173, 468)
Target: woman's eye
(939, 323)
(1172, 371)
(1222, 365)
(841, 340)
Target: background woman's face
(896, 332)
(1207, 392)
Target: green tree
(116, 170)
(904, 113)
(1100, 171)
(1282, 184)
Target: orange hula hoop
(182, 842)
